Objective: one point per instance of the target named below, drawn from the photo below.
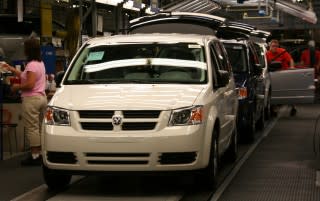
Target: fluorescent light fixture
(109, 2)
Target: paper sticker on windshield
(95, 56)
(193, 46)
(237, 47)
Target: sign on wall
(48, 54)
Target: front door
(292, 86)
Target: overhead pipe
(207, 9)
(175, 7)
(205, 6)
(198, 6)
(186, 6)
(194, 6)
(171, 4)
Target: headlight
(57, 116)
(186, 116)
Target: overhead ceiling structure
(305, 14)
(301, 11)
(196, 6)
(267, 14)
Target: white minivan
(142, 103)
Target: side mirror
(257, 69)
(58, 78)
(274, 66)
(224, 78)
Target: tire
(274, 110)
(267, 109)
(55, 181)
(250, 129)
(293, 111)
(208, 177)
(232, 152)
(261, 121)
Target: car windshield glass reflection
(140, 63)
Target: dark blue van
(248, 74)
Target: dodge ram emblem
(116, 120)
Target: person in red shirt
(310, 57)
(275, 53)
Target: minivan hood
(126, 96)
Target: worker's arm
(26, 86)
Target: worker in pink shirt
(34, 100)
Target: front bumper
(169, 149)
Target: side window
(261, 54)
(217, 63)
(222, 56)
(253, 58)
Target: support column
(94, 18)
(46, 21)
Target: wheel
(250, 128)
(208, 177)
(261, 121)
(267, 109)
(55, 181)
(232, 151)
(293, 111)
(274, 110)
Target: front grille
(96, 114)
(138, 126)
(131, 120)
(177, 158)
(110, 162)
(100, 126)
(117, 154)
(141, 114)
(61, 157)
(117, 158)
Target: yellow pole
(46, 21)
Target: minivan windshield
(139, 63)
(237, 57)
